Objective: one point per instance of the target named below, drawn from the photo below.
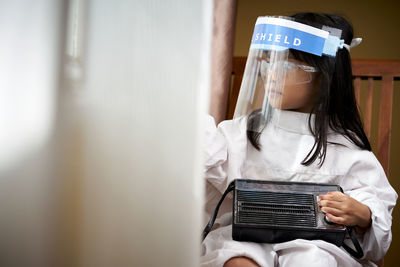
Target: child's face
(299, 91)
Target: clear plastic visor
(274, 80)
(274, 64)
(276, 76)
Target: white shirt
(284, 145)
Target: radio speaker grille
(276, 208)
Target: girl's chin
(276, 104)
(275, 101)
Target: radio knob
(328, 221)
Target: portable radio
(275, 211)
(271, 212)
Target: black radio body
(273, 212)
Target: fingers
(335, 219)
(329, 204)
(337, 207)
(333, 200)
(336, 195)
(342, 209)
(336, 215)
(333, 211)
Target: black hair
(335, 105)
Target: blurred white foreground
(101, 106)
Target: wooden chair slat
(385, 122)
(368, 108)
(357, 88)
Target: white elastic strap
(354, 42)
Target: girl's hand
(342, 209)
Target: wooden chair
(374, 73)
(386, 72)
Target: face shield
(277, 75)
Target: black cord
(358, 253)
(210, 223)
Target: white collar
(293, 121)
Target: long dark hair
(336, 105)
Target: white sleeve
(369, 185)
(215, 155)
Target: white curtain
(102, 104)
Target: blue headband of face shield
(271, 33)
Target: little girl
(296, 119)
